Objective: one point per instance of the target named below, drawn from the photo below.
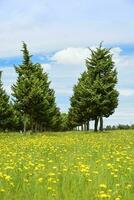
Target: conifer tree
(31, 93)
(5, 109)
(79, 113)
(103, 78)
(95, 96)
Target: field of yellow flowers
(68, 166)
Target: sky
(58, 34)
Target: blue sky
(58, 34)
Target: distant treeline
(120, 127)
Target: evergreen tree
(80, 112)
(15, 120)
(103, 78)
(64, 122)
(95, 95)
(32, 94)
(5, 109)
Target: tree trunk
(36, 127)
(87, 125)
(82, 127)
(101, 123)
(24, 123)
(24, 128)
(96, 124)
(32, 126)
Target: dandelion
(50, 188)
(7, 178)
(117, 185)
(40, 180)
(103, 186)
(2, 190)
(128, 186)
(51, 174)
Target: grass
(71, 166)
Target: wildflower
(49, 188)
(2, 190)
(7, 178)
(25, 180)
(40, 180)
(51, 174)
(117, 198)
(103, 186)
(117, 185)
(128, 186)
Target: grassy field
(70, 166)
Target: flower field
(69, 166)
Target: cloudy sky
(58, 33)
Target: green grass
(69, 166)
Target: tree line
(33, 106)
(120, 127)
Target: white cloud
(126, 92)
(77, 56)
(51, 25)
(71, 56)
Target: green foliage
(95, 95)
(120, 127)
(5, 109)
(32, 95)
(64, 122)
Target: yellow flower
(128, 186)
(103, 186)
(117, 185)
(25, 180)
(49, 188)
(2, 190)
(103, 195)
(115, 176)
(12, 184)
(117, 198)
(7, 178)
(40, 180)
(51, 174)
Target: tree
(80, 111)
(95, 95)
(32, 95)
(5, 109)
(103, 77)
(64, 122)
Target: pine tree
(95, 95)
(79, 114)
(103, 78)
(32, 93)
(5, 109)
(64, 122)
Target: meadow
(68, 166)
